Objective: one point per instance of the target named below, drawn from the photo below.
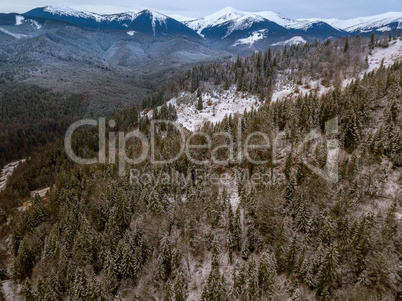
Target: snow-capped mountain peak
(156, 18)
(146, 21)
(238, 20)
(364, 24)
(128, 15)
(274, 17)
(67, 11)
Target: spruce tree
(346, 48)
(327, 274)
(237, 231)
(230, 233)
(168, 291)
(179, 288)
(372, 42)
(215, 287)
(165, 259)
(200, 105)
(252, 281)
(267, 273)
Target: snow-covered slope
(125, 16)
(218, 18)
(239, 18)
(217, 104)
(292, 41)
(364, 24)
(66, 11)
(385, 56)
(254, 37)
(7, 171)
(14, 35)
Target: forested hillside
(31, 116)
(98, 236)
(328, 63)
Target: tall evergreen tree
(327, 274)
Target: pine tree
(168, 292)
(351, 134)
(237, 231)
(327, 274)
(165, 259)
(28, 292)
(79, 289)
(291, 256)
(252, 281)
(247, 247)
(288, 166)
(305, 273)
(200, 105)
(95, 292)
(215, 288)
(267, 273)
(346, 48)
(179, 288)
(110, 270)
(230, 233)
(128, 264)
(289, 194)
(239, 279)
(372, 42)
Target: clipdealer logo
(113, 146)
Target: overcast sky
(341, 9)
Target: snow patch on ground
(390, 55)
(7, 171)
(386, 56)
(131, 33)
(255, 36)
(36, 24)
(217, 104)
(19, 20)
(8, 289)
(14, 35)
(292, 41)
(41, 192)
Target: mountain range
(228, 28)
(121, 57)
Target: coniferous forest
(99, 236)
